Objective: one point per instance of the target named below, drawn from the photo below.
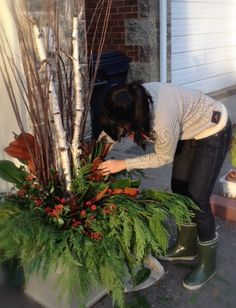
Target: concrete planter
(45, 293)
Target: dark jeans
(196, 166)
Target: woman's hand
(111, 166)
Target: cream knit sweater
(178, 113)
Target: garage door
(204, 44)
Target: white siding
(204, 44)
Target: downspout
(163, 40)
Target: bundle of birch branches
(57, 81)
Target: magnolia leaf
(101, 148)
(122, 183)
(23, 148)
(10, 173)
(99, 196)
(106, 148)
(22, 145)
(98, 149)
(130, 191)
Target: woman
(189, 129)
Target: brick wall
(133, 30)
(116, 36)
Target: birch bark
(78, 86)
(80, 58)
(61, 142)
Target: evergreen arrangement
(62, 214)
(102, 225)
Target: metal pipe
(163, 40)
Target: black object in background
(112, 71)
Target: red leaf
(99, 196)
(17, 152)
(117, 191)
(23, 148)
(130, 191)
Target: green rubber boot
(206, 266)
(185, 247)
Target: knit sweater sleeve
(167, 137)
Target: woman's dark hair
(127, 110)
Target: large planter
(45, 293)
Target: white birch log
(60, 140)
(78, 88)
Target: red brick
(113, 22)
(118, 40)
(115, 38)
(131, 2)
(118, 29)
(131, 15)
(117, 16)
(118, 2)
(223, 207)
(126, 9)
(116, 34)
(132, 47)
(121, 22)
(114, 9)
(131, 53)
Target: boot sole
(162, 258)
(192, 288)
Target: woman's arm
(163, 154)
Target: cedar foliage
(135, 228)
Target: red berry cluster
(21, 193)
(38, 202)
(95, 235)
(109, 209)
(92, 207)
(56, 211)
(75, 223)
